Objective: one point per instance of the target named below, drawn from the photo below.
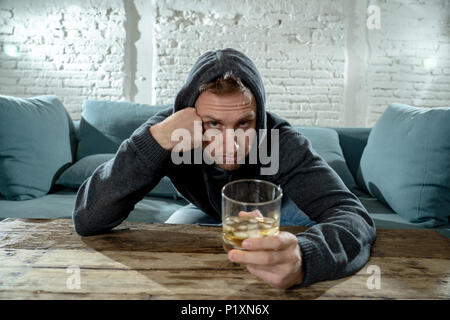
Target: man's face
(221, 112)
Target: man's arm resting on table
(339, 245)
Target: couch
(105, 124)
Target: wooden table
(40, 258)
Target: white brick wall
(298, 47)
(320, 65)
(60, 51)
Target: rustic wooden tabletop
(46, 259)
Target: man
(224, 90)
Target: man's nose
(230, 143)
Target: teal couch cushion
(60, 204)
(35, 145)
(105, 124)
(406, 163)
(325, 142)
(74, 176)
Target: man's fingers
(281, 241)
(256, 257)
(262, 257)
(251, 214)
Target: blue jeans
(291, 215)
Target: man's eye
(213, 123)
(243, 123)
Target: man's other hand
(186, 119)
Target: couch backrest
(353, 142)
(76, 124)
(339, 147)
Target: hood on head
(209, 67)
(213, 64)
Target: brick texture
(84, 50)
(73, 49)
(300, 53)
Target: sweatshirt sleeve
(108, 196)
(339, 244)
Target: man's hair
(228, 83)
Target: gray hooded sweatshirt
(337, 246)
